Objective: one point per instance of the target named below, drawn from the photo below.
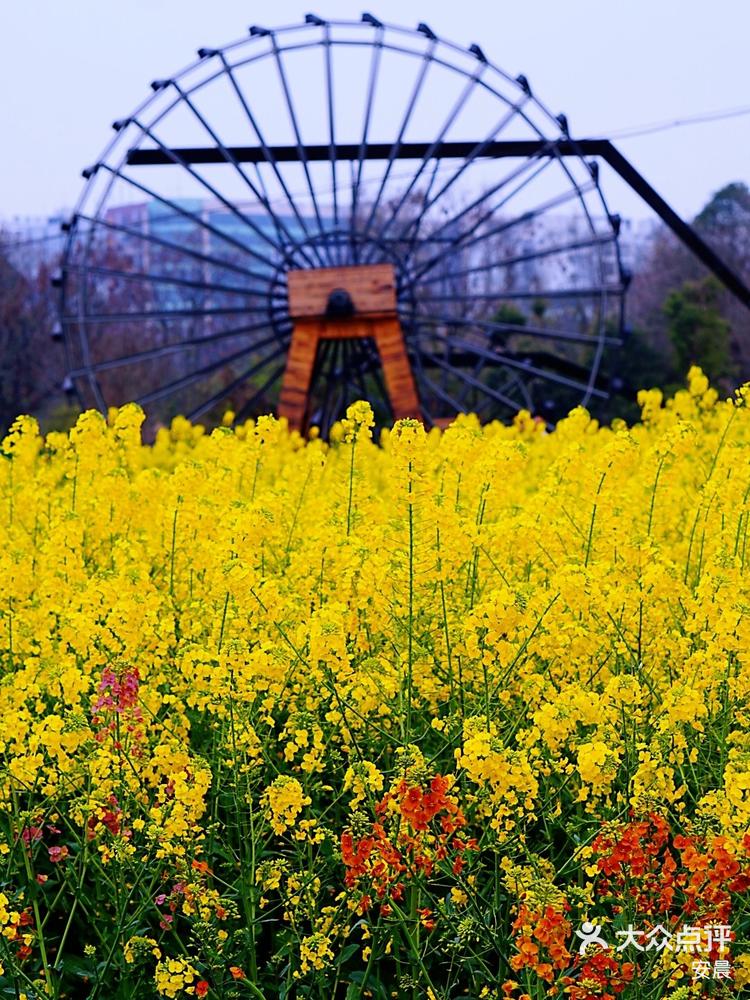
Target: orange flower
(544, 971)
(425, 821)
(548, 927)
(201, 988)
(237, 972)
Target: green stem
(171, 557)
(351, 490)
(410, 661)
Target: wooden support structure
(335, 303)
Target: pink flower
(57, 854)
(31, 833)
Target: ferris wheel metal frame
(460, 354)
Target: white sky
(69, 67)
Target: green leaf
(346, 954)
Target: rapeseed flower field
(290, 718)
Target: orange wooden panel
(397, 372)
(389, 340)
(295, 385)
(372, 288)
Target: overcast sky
(69, 68)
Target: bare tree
(31, 367)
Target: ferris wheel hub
(340, 305)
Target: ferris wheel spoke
(528, 171)
(318, 369)
(484, 403)
(336, 382)
(162, 279)
(358, 364)
(416, 230)
(331, 123)
(511, 329)
(209, 404)
(473, 224)
(437, 166)
(474, 229)
(512, 381)
(298, 136)
(351, 374)
(259, 193)
(321, 383)
(196, 219)
(596, 293)
(453, 114)
(478, 150)
(363, 365)
(166, 314)
(192, 378)
(438, 391)
(181, 161)
(590, 292)
(471, 236)
(172, 247)
(372, 83)
(273, 163)
(165, 350)
(347, 376)
(475, 373)
(341, 379)
(533, 255)
(396, 146)
(372, 367)
(362, 368)
(526, 369)
(354, 371)
(246, 409)
(463, 377)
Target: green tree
(509, 315)
(698, 332)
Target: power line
(710, 116)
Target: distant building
(636, 240)
(30, 241)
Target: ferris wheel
(337, 210)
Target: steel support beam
(499, 149)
